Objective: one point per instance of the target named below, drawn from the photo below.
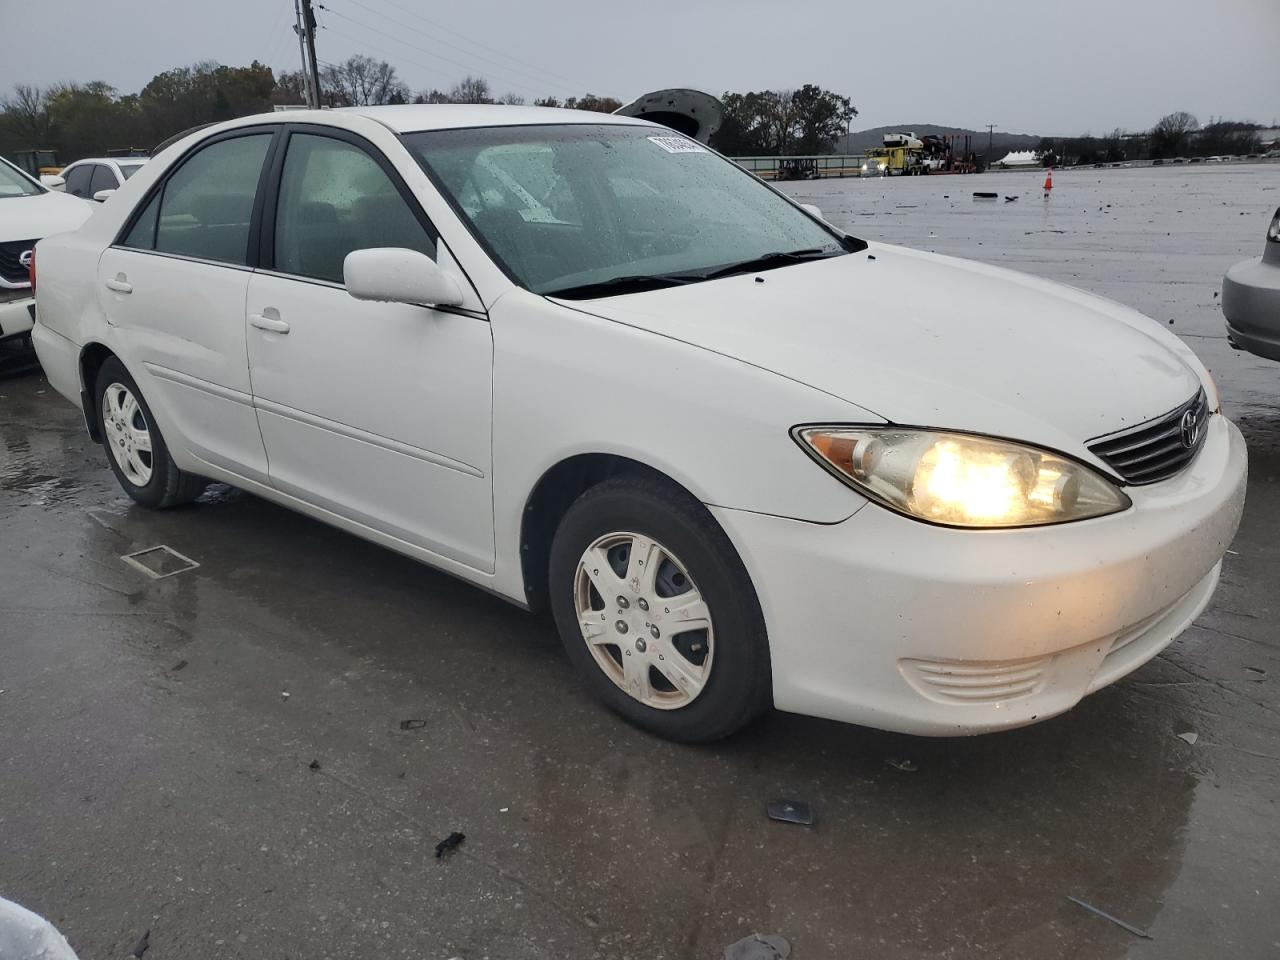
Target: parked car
(586, 363)
(99, 177)
(28, 211)
(1251, 299)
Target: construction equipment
(37, 162)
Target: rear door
(104, 178)
(378, 412)
(174, 286)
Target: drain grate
(159, 562)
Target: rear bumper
(17, 317)
(887, 622)
(1251, 304)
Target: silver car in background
(1251, 299)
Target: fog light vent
(975, 681)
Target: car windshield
(588, 210)
(14, 183)
(127, 170)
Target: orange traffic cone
(1048, 180)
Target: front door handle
(119, 284)
(272, 324)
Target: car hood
(921, 339)
(33, 218)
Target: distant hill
(860, 140)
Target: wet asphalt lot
(157, 737)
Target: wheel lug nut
(640, 645)
(643, 603)
(621, 626)
(623, 602)
(654, 632)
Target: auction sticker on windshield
(678, 145)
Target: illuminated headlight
(961, 480)
(1273, 231)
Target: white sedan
(590, 365)
(97, 178)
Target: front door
(377, 412)
(174, 288)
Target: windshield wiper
(628, 284)
(768, 261)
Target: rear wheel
(135, 449)
(657, 612)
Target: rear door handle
(272, 324)
(119, 284)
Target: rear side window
(78, 180)
(143, 234)
(335, 198)
(207, 203)
(104, 178)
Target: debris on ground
(1009, 199)
(1190, 737)
(1116, 920)
(284, 694)
(141, 947)
(313, 765)
(1257, 670)
(768, 946)
(984, 194)
(412, 724)
(179, 665)
(906, 766)
(790, 811)
(449, 843)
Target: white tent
(1019, 158)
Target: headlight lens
(961, 480)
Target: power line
(541, 74)
(368, 49)
(431, 53)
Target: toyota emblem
(1190, 429)
(25, 258)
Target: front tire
(135, 448)
(657, 612)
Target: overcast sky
(1035, 66)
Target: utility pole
(301, 31)
(309, 20)
(990, 127)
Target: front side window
(127, 170)
(207, 204)
(13, 183)
(78, 180)
(104, 178)
(567, 208)
(335, 198)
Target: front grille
(11, 267)
(1159, 448)
(951, 681)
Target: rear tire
(135, 448)
(681, 652)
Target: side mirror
(53, 182)
(815, 211)
(102, 195)
(397, 275)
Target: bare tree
(512, 99)
(1172, 134)
(363, 81)
(547, 102)
(471, 90)
(431, 96)
(28, 112)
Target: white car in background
(96, 178)
(646, 390)
(28, 211)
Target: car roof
(415, 117)
(117, 160)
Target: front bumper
(892, 623)
(16, 316)
(1251, 304)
